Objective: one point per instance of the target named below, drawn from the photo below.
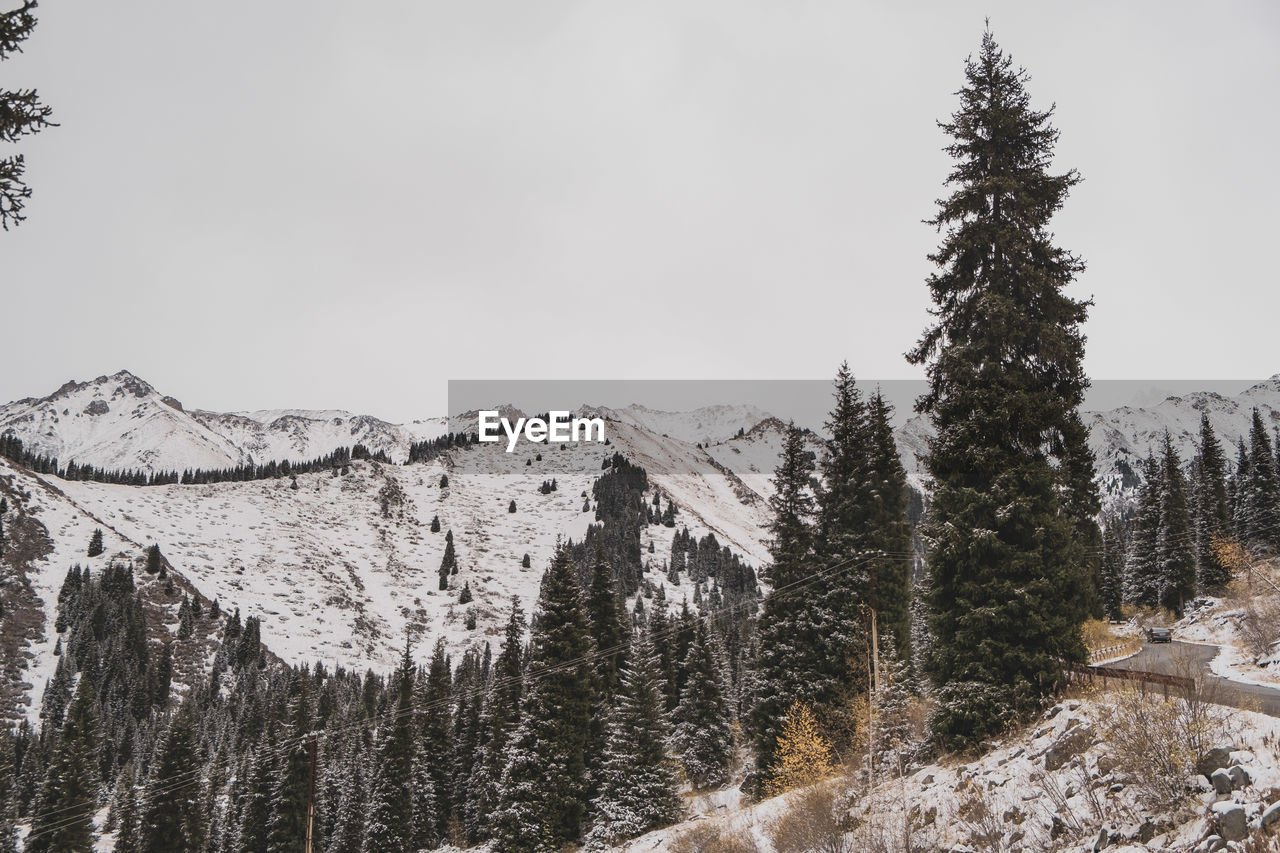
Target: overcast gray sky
(312, 204)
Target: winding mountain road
(1192, 659)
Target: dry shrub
(714, 838)
(1259, 627)
(1158, 740)
(1098, 634)
(810, 824)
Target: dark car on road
(1159, 635)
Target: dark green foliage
(390, 817)
(22, 115)
(1111, 579)
(525, 562)
(1010, 583)
(95, 542)
(636, 781)
(172, 819)
(286, 826)
(1212, 509)
(436, 747)
(511, 507)
(1177, 541)
(887, 529)
(544, 782)
(1258, 492)
(610, 627)
(449, 562)
(154, 560)
(465, 596)
(703, 736)
(435, 524)
(792, 664)
(62, 822)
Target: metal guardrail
(1094, 673)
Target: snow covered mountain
(340, 566)
(121, 422)
(705, 425)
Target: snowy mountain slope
(67, 528)
(122, 422)
(114, 422)
(341, 566)
(1122, 437)
(704, 425)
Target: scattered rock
(1072, 742)
(1106, 764)
(97, 407)
(1221, 781)
(927, 780)
(1215, 759)
(1232, 823)
(1212, 844)
(1239, 776)
(1103, 839)
(1271, 816)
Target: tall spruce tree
(389, 824)
(791, 663)
(1009, 581)
(1111, 579)
(286, 827)
(888, 530)
(637, 782)
(1260, 496)
(173, 819)
(703, 736)
(1212, 510)
(63, 819)
(436, 746)
(541, 802)
(1176, 544)
(498, 720)
(1143, 578)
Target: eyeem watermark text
(560, 427)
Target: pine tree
(837, 609)
(286, 828)
(888, 530)
(791, 665)
(1212, 511)
(389, 825)
(63, 819)
(154, 558)
(541, 794)
(1176, 544)
(23, 115)
(499, 719)
(1111, 581)
(435, 524)
(609, 624)
(95, 542)
(703, 736)
(1142, 574)
(436, 746)
(1009, 583)
(449, 562)
(636, 781)
(1261, 491)
(126, 816)
(172, 820)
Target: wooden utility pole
(311, 794)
